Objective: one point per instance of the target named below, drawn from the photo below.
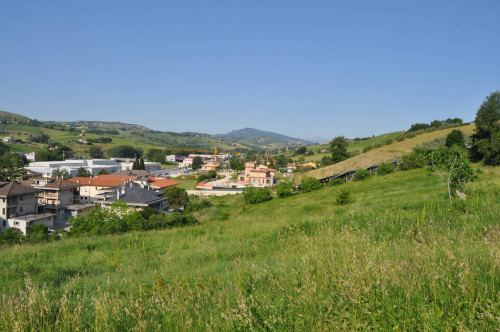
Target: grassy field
(398, 258)
(385, 153)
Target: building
(128, 163)
(57, 195)
(9, 139)
(154, 183)
(137, 198)
(19, 207)
(94, 189)
(258, 176)
(94, 166)
(30, 156)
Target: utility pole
(215, 159)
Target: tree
(486, 139)
(236, 165)
(338, 147)
(82, 172)
(284, 189)
(177, 197)
(385, 168)
(453, 167)
(125, 151)
(95, 152)
(300, 151)
(310, 184)
(142, 165)
(102, 172)
(58, 173)
(361, 175)
(197, 163)
(456, 137)
(253, 195)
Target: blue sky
(301, 68)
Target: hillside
(385, 153)
(263, 139)
(398, 258)
(69, 133)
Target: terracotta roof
(162, 182)
(104, 180)
(61, 184)
(8, 189)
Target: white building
(94, 166)
(9, 139)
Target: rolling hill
(263, 139)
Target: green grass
(398, 258)
(186, 182)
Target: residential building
(19, 207)
(9, 139)
(96, 188)
(258, 175)
(154, 183)
(55, 196)
(137, 198)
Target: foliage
(300, 151)
(486, 139)
(177, 197)
(116, 221)
(95, 152)
(385, 168)
(39, 137)
(309, 184)
(453, 167)
(156, 155)
(82, 172)
(236, 164)
(338, 147)
(125, 151)
(455, 137)
(4, 148)
(415, 159)
(284, 189)
(344, 196)
(207, 176)
(102, 172)
(326, 161)
(197, 163)
(336, 182)
(361, 175)
(253, 195)
(60, 173)
(196, 204)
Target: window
(21, 197)
(21, 209)
(16, 223)
(3, 211)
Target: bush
(389, 142)
(367, 148)
(361, 175)
(344, 196)
(385, 168)
(253, 195)
(285, 189)
(310, 184)
(400, 138)
(413, 160)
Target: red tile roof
(162, 182)
(104, 180)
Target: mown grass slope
(385, 153)
(398, 258)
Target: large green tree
(486, 139)
(338, 147)
(197, 163)
(456, 137)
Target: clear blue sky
(301, 68)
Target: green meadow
(398, 258)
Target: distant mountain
(12, 117)
(254, 136)
(316, 139)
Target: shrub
(389, 142)
(400, 138)
(377, 145)
(385, 168)
(253, 195)
(367, 148)
(361, 175)
(310, 184)
(285, 189)
(413, 160)
(344, 196)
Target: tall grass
(397, 258)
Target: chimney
(77, 181)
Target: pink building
(258, 176)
